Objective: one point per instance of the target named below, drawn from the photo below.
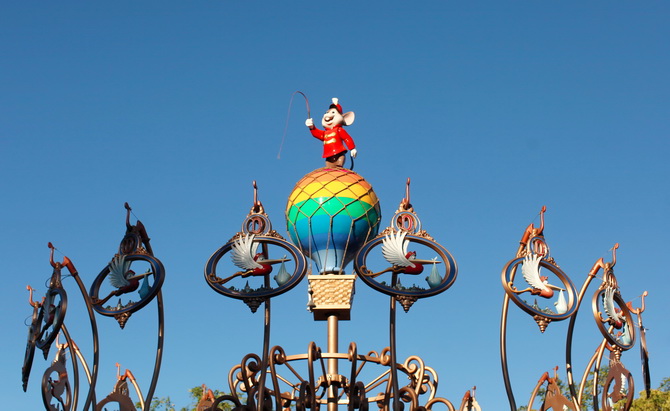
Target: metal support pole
(333, 337)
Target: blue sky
(493, 109)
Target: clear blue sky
(492, 108)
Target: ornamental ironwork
(333, 220)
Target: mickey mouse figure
(334, 137)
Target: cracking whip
(288, 116)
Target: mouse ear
(349, 118)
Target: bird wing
(118, 268)
(530, 269)
(608, 303)
(394, 249)
(243, 252)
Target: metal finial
(258, 206)
(30, 297)
(405, 204)
(542, 211)
(613, 263)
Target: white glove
(353, 153)
(309, 123)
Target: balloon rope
(288, 116)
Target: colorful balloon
(330, 214)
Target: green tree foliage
(658, 400)
(196, 393)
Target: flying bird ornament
(394, 250)
(244, 254)
(539, 285)
(124, 279)
(615, 316)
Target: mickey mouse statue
(334, 135)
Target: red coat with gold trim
(333, 139)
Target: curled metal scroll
(302, 381)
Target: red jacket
(333, 139)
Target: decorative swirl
(277, 356)
(229, 398)
(357, 398)
(416, 370)
(249, 367)
(385, 357)
(443, 401)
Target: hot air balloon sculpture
(330, 214)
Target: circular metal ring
(131, 307)
(509, 273)
(264, 293)
(48, 391)
(616, 376)
(538, 246)
(448, 277)
(598, 296)
(130, 243)
(258, 224)
(33, 333)
(406, 221)
(52, 319)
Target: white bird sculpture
(394, 250)
(530, 269)
(245, 256)
(244, 253)
(614, 316)
(123, 278)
